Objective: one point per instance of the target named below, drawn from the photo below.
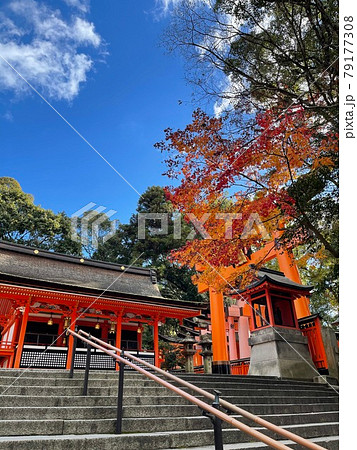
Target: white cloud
(81, 5)
(8, 116)
(84, 32)
(52, 53)
(221, 106)
(166, 5)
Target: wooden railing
(7, 345)
(240, 366)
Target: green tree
(153, 249)
(256, 54)
(172, 356)
(319, 269)
(23, 222)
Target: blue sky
(100, 65)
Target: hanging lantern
(97, 325)
(66, 322)
(50, 320)
(139, 330)
(112, 327)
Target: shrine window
(129, 340)
(260, 312)
(40, 333)
(283, 311)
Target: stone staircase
(44, 409)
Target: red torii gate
(268, 252)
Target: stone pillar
(206, 352)
(188, 352)
(332, 352)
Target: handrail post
(86, 373)
(217, 424)
(118, 426)
(216, 421)
(74, 348)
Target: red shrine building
(42, 293)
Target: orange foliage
(222, 175)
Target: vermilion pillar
(14, 338)
(156, 341)
(220, 362)
(118, 333)
(197, 358)
(59, 340)
(140, 341)
(20, 344)
(70, 339)
(288, 266)
(105, 332)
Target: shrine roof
(277, 278)
(36, 268)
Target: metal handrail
(227, 405)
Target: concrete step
(48, 401)
(98, 402)
(288, 408)
(241, 378)
(58, 373)
(148, 441)
(105, 382)
(194, 378)
(328, 442)
(58, 412)
(103, 426)
(144, 382)
(107, 426)
(195, 423)
(45, 409)
(256, 385)
(48, 413)
(261, 396)
(75, 387)
(37, 420)
(109, 375)
(109, 412)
